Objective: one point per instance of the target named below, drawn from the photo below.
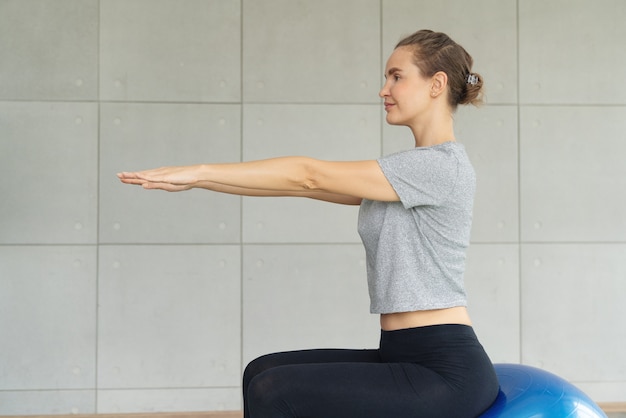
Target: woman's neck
(438, 129)
(435, 139)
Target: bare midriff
(402, 320)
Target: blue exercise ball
(529, 392)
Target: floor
(232, 414)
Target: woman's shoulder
(436, 155)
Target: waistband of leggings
(430, 331)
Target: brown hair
(434, 52)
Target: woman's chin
(393, 121)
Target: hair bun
(472, 92)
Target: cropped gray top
(415, 248)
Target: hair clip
(471, 79)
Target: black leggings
(435, 371)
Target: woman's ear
(439, 83)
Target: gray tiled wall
(115, 299)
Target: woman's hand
(171, 179)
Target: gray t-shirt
(415, 248)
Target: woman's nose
(383, 91)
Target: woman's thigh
(348, 390)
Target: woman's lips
(388, 105)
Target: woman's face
(406, 92)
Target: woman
(414, 220)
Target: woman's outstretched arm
(285, 176)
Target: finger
(132, 181)
(135, 174)
(126, 175)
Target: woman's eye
(396, 77)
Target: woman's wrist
(201, 173)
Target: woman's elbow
(310, 179)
